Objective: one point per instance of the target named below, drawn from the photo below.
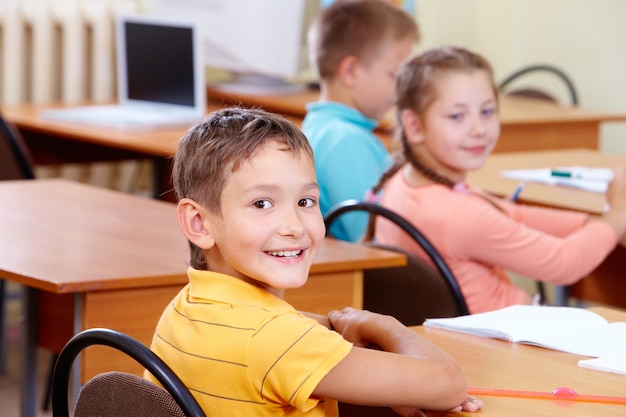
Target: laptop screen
(159, 62)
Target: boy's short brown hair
(356, 28)
(217, 146)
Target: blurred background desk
(606, 284)
(91, 257)
(52, 143)
(491, 363)
(527, 124)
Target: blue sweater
(349, 160)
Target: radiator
(62, 50)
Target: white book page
(521, 323)
(615, 363)
(593, 341)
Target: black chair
(504, 86)
(118, 394)
(411, 293)
(15, 164)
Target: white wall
(585, 38)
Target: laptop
(160, 77)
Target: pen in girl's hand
(517, 191)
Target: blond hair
(356, 28)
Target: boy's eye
(306, 202)
(456, 116)
(263, 204)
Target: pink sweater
(480, 243)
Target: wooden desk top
(63, 236)
(513, 110)
(160, 142)
(491, 363)
(488, 177)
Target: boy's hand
(470, 404)
(352, 324)
(346, 322)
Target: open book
(567, 329)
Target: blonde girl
(448, 123)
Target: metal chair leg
(48, 394)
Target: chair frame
(132, 347)
(20, 152)
(411, 230)
(542, 67)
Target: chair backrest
(131, 394)
(534, 92)
(15, 161)
(118, 394)
(411, 293)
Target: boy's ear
(347, 70)
(412, 126)
(194, 224)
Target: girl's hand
(616, 193)
(616, 197)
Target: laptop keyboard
(123, 116)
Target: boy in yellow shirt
(248, 204)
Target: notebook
(160, 78)
(567, 329)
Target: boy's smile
(271, 226)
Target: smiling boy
(248, 204)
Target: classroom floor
(10, 379)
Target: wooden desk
(490, 363)
(527, 124)
(604, 285)
(55, 142)
(91, 257)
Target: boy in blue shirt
(357, 47)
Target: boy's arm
(408, 371)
